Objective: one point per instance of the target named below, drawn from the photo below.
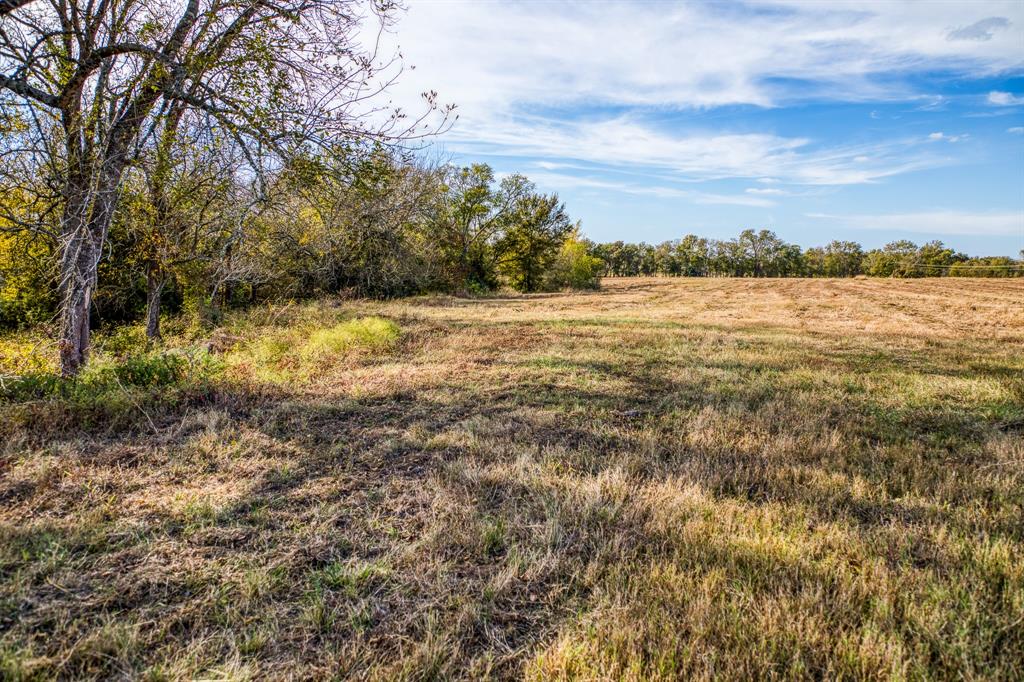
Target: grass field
(722, 478)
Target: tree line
(364, 223)
(763, 254)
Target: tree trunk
(84, 225)
(77, 285)
(154, 290)
(74, 332)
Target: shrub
(144, 371)
(574, 267)
(124, 341)
(370, 333)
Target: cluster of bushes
(112, 375)
(764, 254)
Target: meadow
(664, 479)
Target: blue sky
(869, 121)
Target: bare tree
(88, 82)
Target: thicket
(371, 223)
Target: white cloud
(936, 222)
(1004, 99)
(539, 80)
(686, 55)
(628, 142)
(766, 190)
(566, 181)
(948, 138)
(1016, 130)
(979, 30)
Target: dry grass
(664, 479)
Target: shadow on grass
(366, 480)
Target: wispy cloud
(685, 55)
(935, 137)
(984, 29)
(936, 222)
(532, 79)
(566, 181)
(629, 141)
(1004, 99)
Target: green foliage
(574, 267)
(537, 226)
(151, 370)
(896, 259)
(27, 291)
(124, 341)
(368, 333)
(764, 254)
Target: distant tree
(996, 266)
(814, 262)
(666, 256)
(787, 261)
(469, 215)
(934, 259)
(842, 259)
(758, 251)
(896, 259)
(629, 260)
(693, 255)
(534, 230)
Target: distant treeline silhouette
(763, 254)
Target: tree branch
(21, 87)
(8, 6)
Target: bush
(574, 267)
(124, 341)
(145, 371)
(370, 333)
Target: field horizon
(713, 478)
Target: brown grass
(664, 479)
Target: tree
(534, 230)
(896, 259)
(842, 259)
(575, 267)
(934, 259)
(91, 82)
(469, 216)
(354, 222)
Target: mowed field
(665, 479)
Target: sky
(864, 121)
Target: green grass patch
(302, 351)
